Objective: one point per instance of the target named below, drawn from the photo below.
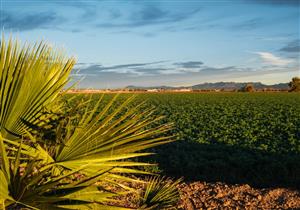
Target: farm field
(251, 138)
(149, 105)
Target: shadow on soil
(229, 164)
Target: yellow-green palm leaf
(90, 146)
(31, 77)
(32, 185)
(160, 193)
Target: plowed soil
(202, 195)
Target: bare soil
(211, 196)
(202, 195)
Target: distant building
(183, 90)
(152, 90)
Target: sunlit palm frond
(104, 141)
(160, 193)
(89, 146)
(31, 78)
(34, 186)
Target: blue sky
(171, 42)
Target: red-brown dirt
(202, 195)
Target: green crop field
(234, 137)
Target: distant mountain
(163, 87)
(238, 85)
(216, 85)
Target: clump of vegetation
(160, 193)
(89, 143)
(223, 135)
(295, 84)
(248, 88)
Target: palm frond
(89, 146)
(105, 141)
(36, 187)
(160, 193)
(31, 78)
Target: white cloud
(269, 58)
(171, 71)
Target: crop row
(234, 137)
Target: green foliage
(31, 80)
(229, 164)
(53, 156)
(264, 121)
(232, 137)
(248, 88)
(160, 193)
(30, 184)
(295, 84)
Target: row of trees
(294, 86)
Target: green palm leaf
(103, 141)
(36, 187)
(160, 193)
(89, 147)
(31, 78)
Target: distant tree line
(294, 86)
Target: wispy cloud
(224, 69)
(170, 73)
(150, 15)
(133, 69)
(269, 58)
(292, 47)
(126, 66)
(155, 69)
(189, 64)
(23, 22)
(293, 3)
(249, 24)
(52, 15)
(88, 8)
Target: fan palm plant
(88, 148)
(31, 78)
(35, 186)
(160, 193)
